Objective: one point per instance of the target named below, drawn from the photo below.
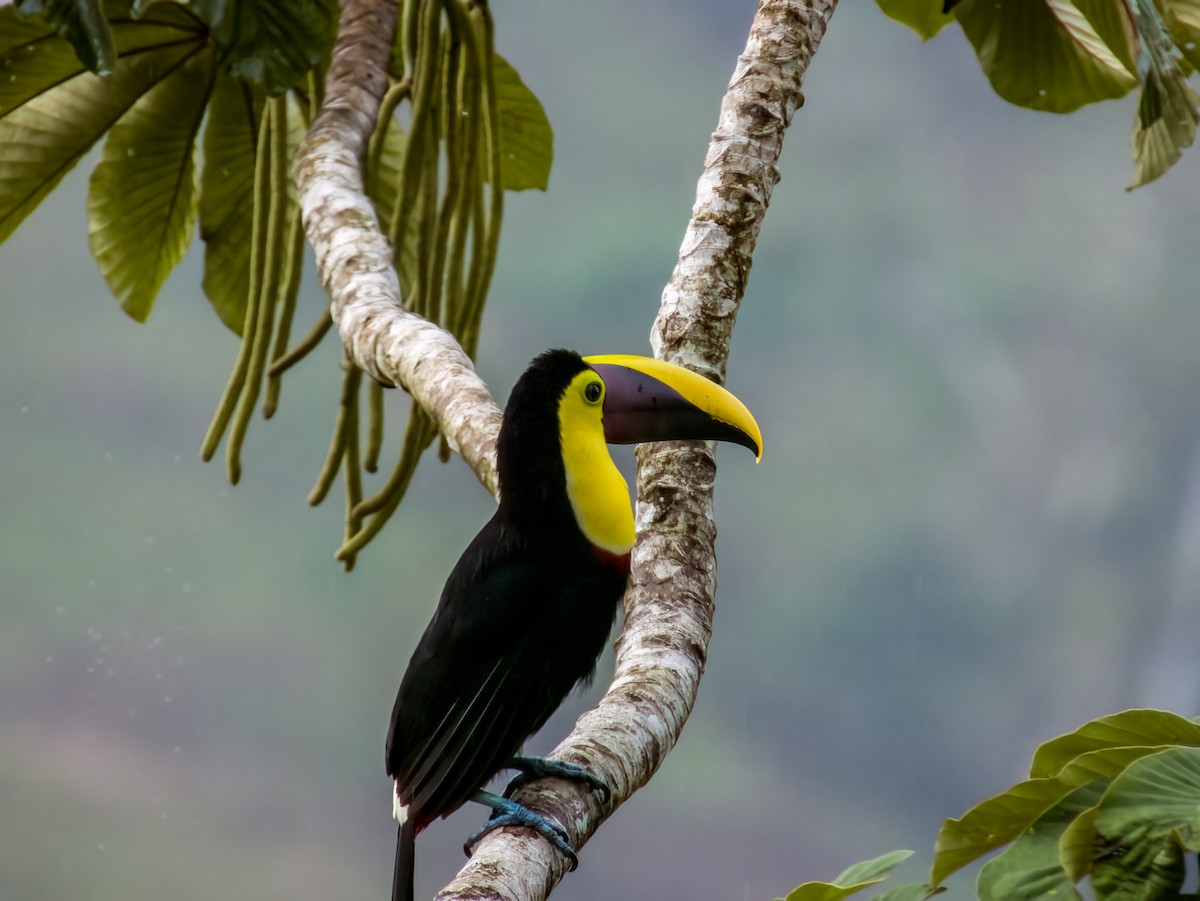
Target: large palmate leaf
(141, 202)
(1131, 841)
(16, 31)
(1162, 790)
(526, 140)
(1000, 819)
(1147, 818)
(1052, 55)
(272, 43)
(47, 134)
(33, 60)
(84, 26)
(226, 189)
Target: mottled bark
(354, 259)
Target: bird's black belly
(512, 637)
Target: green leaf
(1165, 124)
(1049, 54)
(1141, 867)
(16, 31)
(526, 139)
(1129, 728)
(1103, 28)
(272, 43)
(141, 201)
(45, 137)
(33, 60)
(1144, 820)
(83, 24)
(874, 870)
(925, 17)
(1000, 819)
(853, 879)
(1030, 867)
(1183, 20)
(226, 186)
(1077, 845)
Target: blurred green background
(976, 524)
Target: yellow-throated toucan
(528, 607)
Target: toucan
(529, 606)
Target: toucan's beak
(652, 400)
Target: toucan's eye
(592, 392)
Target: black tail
(406, 859)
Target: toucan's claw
(510, 813)
(533, 768)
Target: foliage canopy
(1116, 802)
(241, 81)
(1058, 55)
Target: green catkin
(424, 78)
(306, 346)
(444, 227)
(293, 268)
(237, 378)
(341, 434)
(451, 128)
(275, 241)
(420, 432)
(354, 487)
(387, 111)
(374, 426)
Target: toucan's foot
(510, 813)
(533, 768)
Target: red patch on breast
(619, 562)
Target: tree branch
(669, 607)
(354, 259)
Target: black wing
(501, 653)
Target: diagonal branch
(662, 649)
(354, 259)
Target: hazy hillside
(974, 359)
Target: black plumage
(529, 605)
(522, 618)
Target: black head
(528, 450)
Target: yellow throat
(596, 489)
